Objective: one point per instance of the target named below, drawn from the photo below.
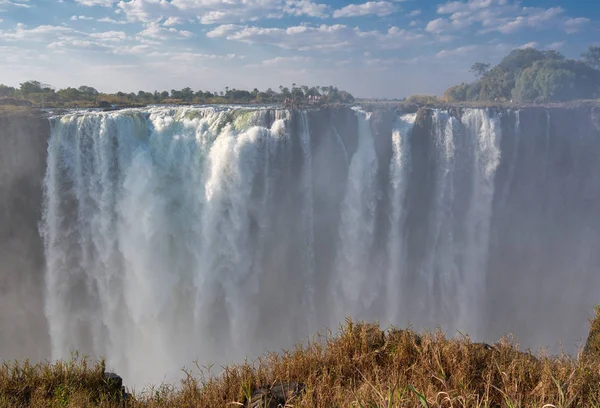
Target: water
(181, 234)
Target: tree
(556, 80)
(30, 87)
(456, 93)
(6, 91)
(592, 57)
(88, 90)
(479, 69)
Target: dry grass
(361, 366)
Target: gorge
(163, 235)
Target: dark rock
(113, 380)
(276, 396)
(104, 104)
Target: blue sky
(379, 48)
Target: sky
(378, 48)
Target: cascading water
(181, 234)
(356, 283)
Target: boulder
(276, 396)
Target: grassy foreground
(361, 366)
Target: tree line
(532, 76)
(35, 93)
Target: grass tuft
(360, 366)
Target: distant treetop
(43, 95)
(532, 76)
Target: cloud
(171, 21)
(323, 37)
(110, 20)
(532, 44)
(442, 25)
(22, 3)
(190, 57)
(574, 25)
(39, 34)
(556, 45)
(115, 36)
(74, 18)
(92, 3)
(460, 51)
(220, 12)
(471, 5)
(286, 60)
(414, 13)
(378, 8)
(532, 18)
(156, 31)
(505, 16)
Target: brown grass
(361, 366)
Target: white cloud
(414, 13)
(556, 45)
(41, 33)
(171, 21)
(190, 57)
(460, 51)
(442, 25)
(110, 20)
(323, 37)
(92, 3)
(378, 8)
(286, 60)
(305, 8)
(116, 36)
(219, 12)
(471, 5)
(22, 3)
(574, 25)
(505, 16)
(532, 18)
(74, 18)
(532, 44)
(156, 31)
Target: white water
(175, 235)
(356, 282)
(399, 170)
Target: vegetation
(423, 99)
(532, 76)
(359, 367)
(35, 93)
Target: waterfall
(399, 173)
(356, 286)
(213, 234)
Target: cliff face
(23, 327)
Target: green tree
(457, 93)
(30, 87)
(6, 91)
(592, 57)
(479, 69)
(556, 81)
